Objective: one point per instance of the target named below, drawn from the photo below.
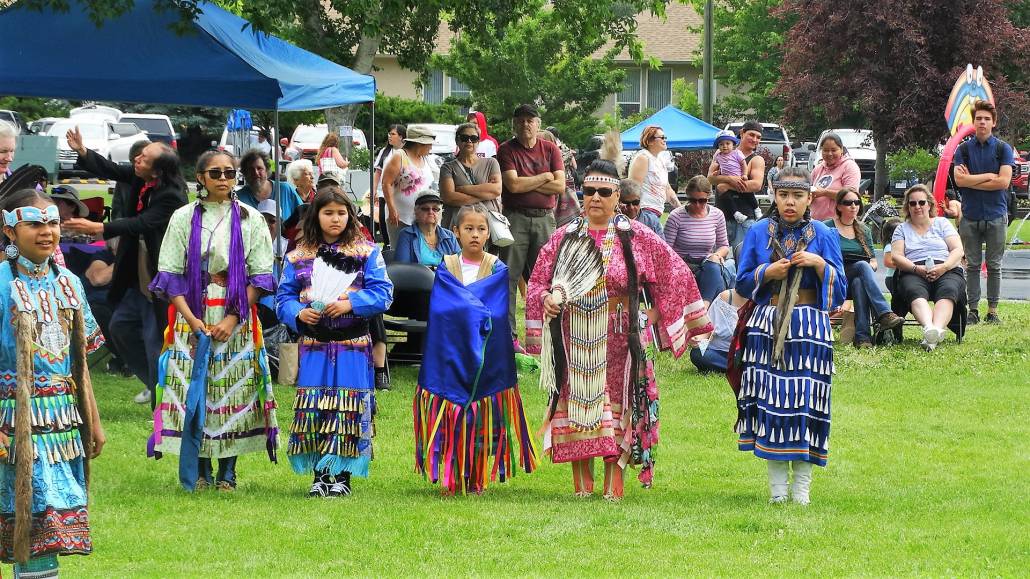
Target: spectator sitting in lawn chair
(927, 252)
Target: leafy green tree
(684, 96)
(747, 49)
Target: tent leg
(371, 158)
(275, 191)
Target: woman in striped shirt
(697, 233)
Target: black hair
(796, 172)
(247, 162)
(858, 226)
(204, 161)
(166, 167)
(604, 167)
(835, 138)
(311, 229)
(136, 148)
(401, 130)
(24, 198)
(474, 208)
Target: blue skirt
(784, 408)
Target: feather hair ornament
(577, 269)
(24, 177)
(331, 277)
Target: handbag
(735, 356)
(288, 363)
(500, 229)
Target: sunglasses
(851, 203)
(220, 173)
(662, 137)
(698, 200)
(919, 203)
(602, 191)
(634, 203)
(468, 138)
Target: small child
(331, 287)
(468, 410)
(729, 159)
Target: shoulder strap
(486, 268)
(453, 265)
(999, 151)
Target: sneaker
(973, 318)
(319, 487)
(382, 380)
(340, 486)
(143, 397)
(932, 336)
(992, 319)
(890, 320)
(778, 500)
(202, 485)
(928, 347)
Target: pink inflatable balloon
(940, 182)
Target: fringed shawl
(196, 266)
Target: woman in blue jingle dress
(791, 267)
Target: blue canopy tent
(220, 61)
(683, 130)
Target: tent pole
(370, 141)
(275, 189)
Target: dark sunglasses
(635, 202)
(698, 200)
(851, 203)
(662, 137)
(602, 191)
(919, 203)
(219, 173)
(468, 138)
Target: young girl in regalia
(470, 426)
(331, 286)
(214, 392)
(49, 425)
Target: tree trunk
(336, 117)
(880, 180)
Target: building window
(628, 99)
(432, 92)
(458, 89)
(659, 88)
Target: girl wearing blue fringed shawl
(470, 426)
(791, 267)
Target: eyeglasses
(698, 200)
(220, 173)
(602, 191)
(919, 203)
(432, 208)
(468, 138)
(635, 202)
(662, 137)
(851, 203)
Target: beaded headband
(601, 179)
(32, 214)
(780, 184)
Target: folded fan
(577, 269)
(328, 283)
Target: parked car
(1021, 175)
(805, 153)
(898, 187)
(42, 126)
(157, 127)
(308, 138)
(14, 119)
(860, 146)
(109, 139)
(774, 138)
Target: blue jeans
(651, 219)
(226, 470)
(737, 231)
(711, 361)
(713, 278)
(868, 299)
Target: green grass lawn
(927, 466)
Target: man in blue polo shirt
(983, 170)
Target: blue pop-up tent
(683, 130)
(220, 61)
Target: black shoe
(992, 318)
(340, 486)
(382, 379)
(320, 486)
(973, 318)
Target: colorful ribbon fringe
(454, 445)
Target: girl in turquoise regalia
(49, 425)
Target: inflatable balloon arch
(970, 87)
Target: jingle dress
(240, 407)
(335, 404)
(784, 408)
(470, 425)
(628, 429)
(60, 521)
